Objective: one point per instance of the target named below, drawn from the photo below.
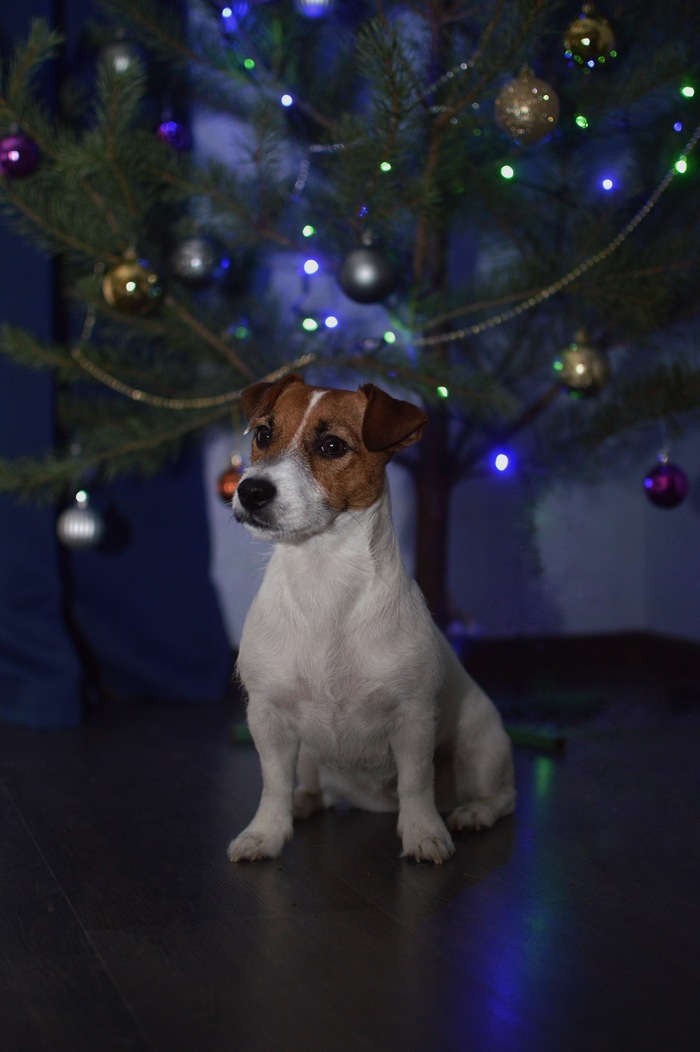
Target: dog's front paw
(254, 845)
(433, 844)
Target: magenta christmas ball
(19, 156)
(666, 485)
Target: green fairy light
(389, 336)
(687, 91)
(385, 166)
(443, 392)
(507, 172)
(249, 63)
(581, 120)
(308, 230)
(309, 324)
(681, 165)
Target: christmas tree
(490, 207)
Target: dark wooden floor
(574, 925)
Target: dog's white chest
(340, 647)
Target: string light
(501, 462)
(311, 266)
(287, 100)
(576, 272)
(507, 172)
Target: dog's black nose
(255, 493)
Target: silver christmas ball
(527, 108)
(80, 526)
(366, 275)
(199, 260)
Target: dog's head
(317, 452)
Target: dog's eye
(263, 437)
(332, 446)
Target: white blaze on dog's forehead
(315, 398)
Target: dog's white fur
(350, 686)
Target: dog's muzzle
(256, 493)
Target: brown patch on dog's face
(324, 428)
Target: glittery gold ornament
(132, 286)
(527, 108)
(589, 40)
(581, 368)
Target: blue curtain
(137, 617)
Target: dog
(351, 689)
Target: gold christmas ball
(527, 108)
(132, 286)
(581, 368)
(589, 40)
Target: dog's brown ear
(259, 399)
(389, 423)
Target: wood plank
(56, 993)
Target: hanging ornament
(666, 485)
(174, 134)
(227, 482)
(19, 156)
(314, 8)
(132, 286)
(581, 368)
(122, 56)
(589, 40)
(80, 526)
(527, 108)
(199, 261)
(367, 275)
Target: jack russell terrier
(351, 688)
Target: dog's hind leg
(308, 798)
(484, 782)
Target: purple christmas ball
(174, 134)
(666, 485)
(19, 156)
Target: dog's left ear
(259, 399)
(389, 423)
